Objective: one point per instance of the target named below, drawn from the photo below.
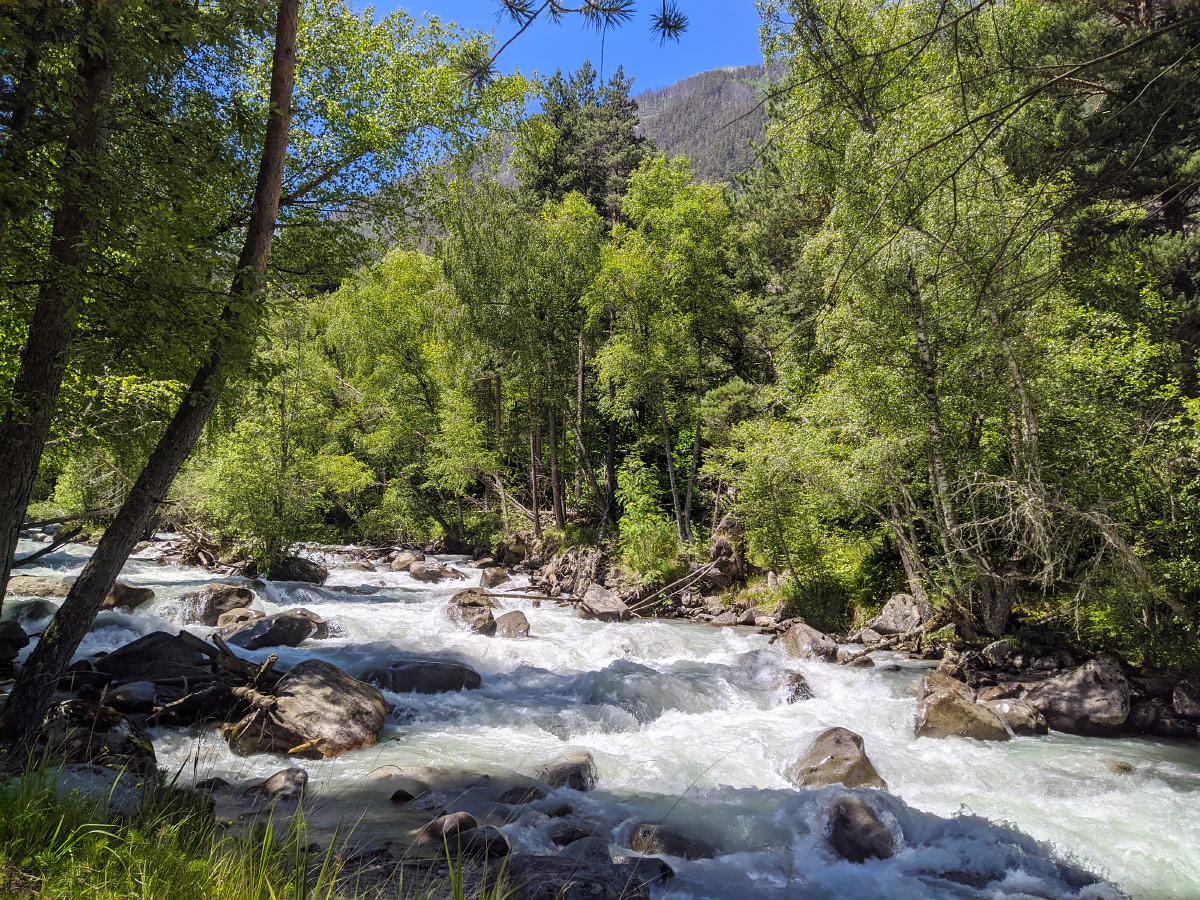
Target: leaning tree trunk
(556, 494)
(670, 451)
(26, 424)
(31, 694)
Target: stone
(651, 839)
(796, 688)
(1185, 700)
(1118, 766)
(805, 642)
(901, 614)
(1092, 699)
(158, 656)
(404, 559)
(493, 577)
(126, 596)
(486, 842)
(430, 571)
(319, 711)
(764, 622)
(288, 784)
(408, 789)
(13, 640)
(238, 617)
(835, 756)
(575, 770)
(870, 637)
(32, 610)
(603, 605)
(215, 600)
(522, 794)
(725, 619)
(450, 825)
(948, 713)
(565, 833)
(512, 625)
(1023, 718)
(296, 568)
(860, 662)
(133, 697)
(279, 630)
(472, 609)
(38, 586)
(423, 676)
(649, 870)
(83, 731)
(936, 681)
(211, 785)
(857, 833)
(321, 628)
(1157, 717)
(1006, 691)
(749, 616)
(591, 850)
(997, 653)
(528, 877)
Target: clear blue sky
(721, 33)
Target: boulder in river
(1023, 718)
(1185, 700)
(13, 640)
(1157, 717)
(1091, 699)
(297, 568)
(279, 630)
(997, 653)
(404, 559)
(321, 627)
(450, 825)
(652, 839)
(38, 586)
(158, 656)
(575, 769)
(856, 831)
(288, 784)
(527, 877)
(591, 850)
(493, 577)
(948, 714)
(836, 756)
(937, 681)
(316, 710)
(423, 676)
(901, 614)
(238, 617)
(82, 731)
(431, 571)
(127, 596)
(207, 605)
(603, 605)
(472, 609)
(512, 625)
(805, 642)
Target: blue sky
(721, 33)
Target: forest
(279, 274)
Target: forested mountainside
(713, 118)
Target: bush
(647, 542)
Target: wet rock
(215, 600)
(288, 784)
(82, 731)
(575, 770)
(450, 825)
(901, 614)
(404, 559)
(279, 630)
(118, 792)
(493, 577)
(796, 688)
(26, 611)
(1092, 699)
(486, 842)
(211, 785)
(134, 697)
(1023, 718)
(157, 657)
(764, 622)
(408, 789)
(805, 642)
(512, 625)
(565, 833)
(321, 628)
(318, 711)
(725, 619)
(472, 609)
(1157, 717)
(526, 877)
(1006, 691)
(947, 713)
(431, 571)
(651, 839)
(239, 617)
(997, 653)
(38, 586)
(603, 605)
(1185, 700)
(296, 568)
(13, 640)
(591, 850)
(857, 833)
(522, 794)
(1118, 766)
(936, 681)
(361, 567)
(126, 596)
(860, 662)
(649, 870)
(870, 637)
(836, 756)
(423, 676)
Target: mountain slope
(713, 118)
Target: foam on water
(688, 726)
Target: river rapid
(687, 728)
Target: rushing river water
(687, 727)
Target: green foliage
(647, 541)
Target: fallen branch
(690, 577)
(63, 520)
(59, 540)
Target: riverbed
(688, 727)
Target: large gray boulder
(82, 731)
(208, 604)
(836, 756)
(38, 586)
(1023, 718)
(158, 656)
(1091, 699)
(603, 605)
(316, 710)
(126, 596)
(901, 614)
(938, 681)
(13, 640)
(857, 833)
(431, 571)
(279, 630)
(1185, 700)
(949, 714)
(404, 559)
(493, 577)
(512, 625)
(297, 568)
(472, 609)
(423, 676)
(804, 642)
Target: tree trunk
(909, 556)
(666, 436)
(560, 519)
(26, 705)
(535, 465)
(694, 469)
(579, 460)
(26, 424)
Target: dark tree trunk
(670, 451)
(26, 424)
(535, 467)
(560, 520)
(31, 694)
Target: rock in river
(423, 676)
(126, 595)
(296, 568)
(213, 601)
(602, 604)
(472, 610)
(81, 731)
(836, 756)
(1092, 699)
(652, 839)
(316, 710)
(804, 642)
(279, 630)
(575, 769)
(1023, 718)
(948, 713)
(512, 625)
(857, 833)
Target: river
(687, 727)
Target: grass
(55, 847)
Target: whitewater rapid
(687, 726)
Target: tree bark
(535, 465)
(666, 436)
(579, 460)
(26, 424)
(556, 494)
(26, 705)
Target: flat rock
(126, 596)
(937, 681)
(431, 571)
(157, 656)
(279, 630)
(528, 877)
(835, 756)
(38, 586)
